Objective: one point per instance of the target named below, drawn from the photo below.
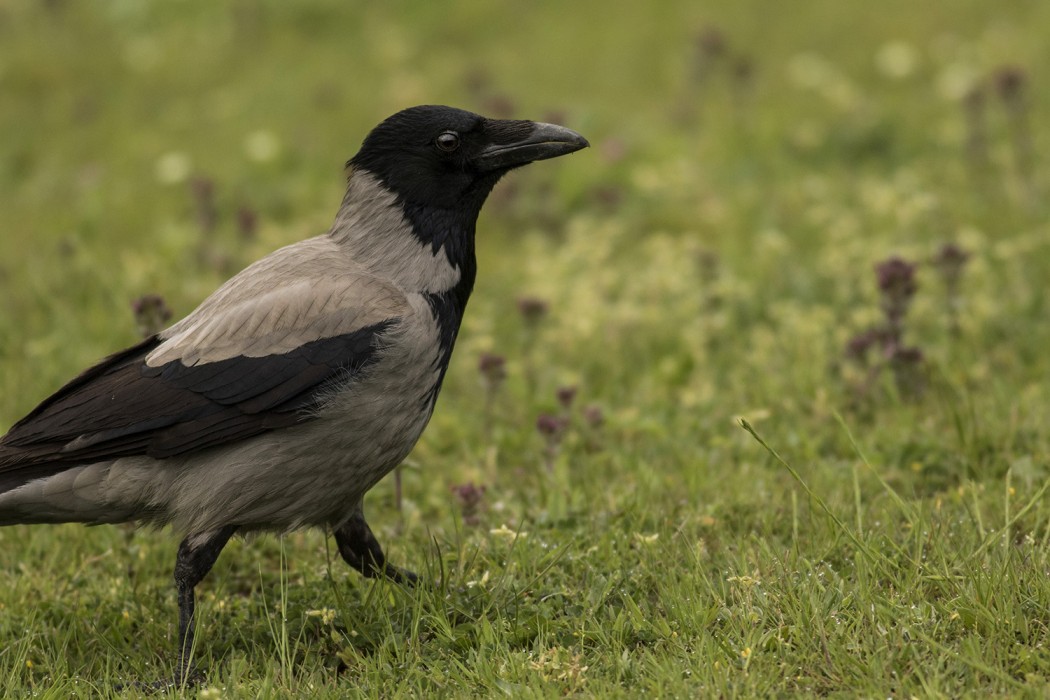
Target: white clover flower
(897, 59)
(172, 168)
(506, 532)
(956, 80)
(327, 615)
(262, 145)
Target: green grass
(704, 264)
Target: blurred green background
(712, 256)
(726, 124)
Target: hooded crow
(291, 390)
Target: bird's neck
(422, 249)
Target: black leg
(359, 548)
(197, 554)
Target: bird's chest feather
(375, 419)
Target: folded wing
(227, 372)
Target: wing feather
(254, 357)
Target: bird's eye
(448, 141)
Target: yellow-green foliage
(710, 258)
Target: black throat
(450, 231)
(443, 224)
(450, 228)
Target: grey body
(309, 474)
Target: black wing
(123, 407)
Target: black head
(434, 156)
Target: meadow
(751, 399)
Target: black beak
(541, 142)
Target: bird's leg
(197, 554)
(359, 548)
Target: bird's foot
(401, 576)
(359, 548)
